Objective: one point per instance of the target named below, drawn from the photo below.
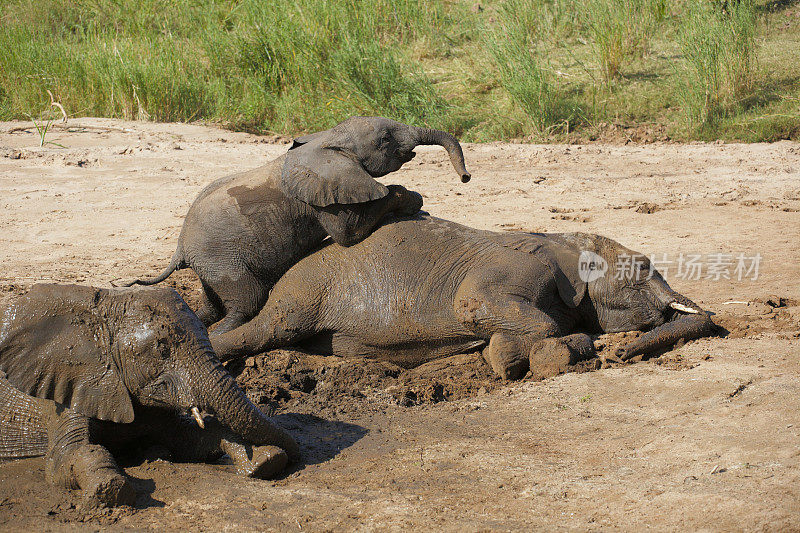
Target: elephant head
(337, 166)
(616, 289)
(105, 352)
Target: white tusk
(197, 418)
(683, 308)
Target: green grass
(719, 55)
(539, 69)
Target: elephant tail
(23, 432)
(176, 263)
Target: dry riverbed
(704, 437)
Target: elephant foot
(92, 469)
(109, 489)
(553, 356)
(263, 462)
(505, 355)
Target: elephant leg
(211, 309)
(289, 316)
(553, 356)
(73, 462)
(348, 224)
(506, 356)
(242, 299)
(510, 323)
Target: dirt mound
(296, 381)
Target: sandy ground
(706, 437)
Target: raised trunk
(424, 136)
(219, 394)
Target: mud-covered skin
(243, 232)
(423, 288)
(86, 371)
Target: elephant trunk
(687, 321)
(219, 393)
(425, 136)
(684, 328)
(23, 428)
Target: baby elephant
(243, 232)
(424, 288)
(84, 371)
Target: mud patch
(328, 385)
(296, 381)
(765, 315)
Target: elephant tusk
(197, 417)
(683, 308)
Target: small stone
(775, 301)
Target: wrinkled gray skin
(243, 232)
(424, 288)
(84, 371)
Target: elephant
(244, 231)
(87, 371)
(422, 288)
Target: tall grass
(718, 70)
(343, 57)
(258, 65)
(508, 69)
(517, 44)
(621, 29)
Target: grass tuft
(718, 49)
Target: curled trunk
(425, 136)
(221, 395)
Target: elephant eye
(162, 391)
(162, 348)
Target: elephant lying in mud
(243, 232)
(84, 371)
(423, 288)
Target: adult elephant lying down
(423, 288)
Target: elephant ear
(564, 262)
(64, 355)
(561, 259)
(321, 175)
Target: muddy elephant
(424, 288)
(86, 371)
(243, 232)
